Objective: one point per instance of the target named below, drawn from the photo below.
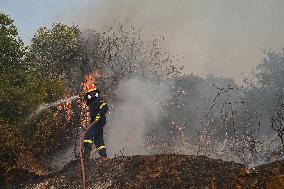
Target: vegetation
(211, 116)
(22, 91)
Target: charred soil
(163, 171)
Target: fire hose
(81, 152)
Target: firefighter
(98, 109)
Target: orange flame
(88, 79)
(66, 107)
(91, 77)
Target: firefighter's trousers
(95, 134)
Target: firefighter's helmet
(90, 87)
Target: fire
(67, 108)
(84, 114)
(89, 78)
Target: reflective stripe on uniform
(101, 147)
(102, 105)
(88, 141)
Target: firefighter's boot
(102, 151)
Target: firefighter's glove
(98, 117)
(82, 96)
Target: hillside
(163, 171)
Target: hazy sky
(222, 37)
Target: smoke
(137, 108)
(211, 38)
(223, 38)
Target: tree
(122, 54)
(56, 52)
(21, 93)
(264, 91)
(12, 48)
(11, 61)
(277, 120)
(21, 89)
(270, 72)
(266, 83)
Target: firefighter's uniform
(98, 108)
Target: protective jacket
(97, 106)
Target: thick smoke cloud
(219, 37)
(138, 106)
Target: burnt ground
(163, 171)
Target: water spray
(53, 104)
